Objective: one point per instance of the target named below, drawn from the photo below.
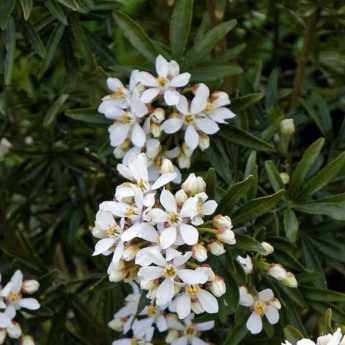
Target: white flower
(188, 332)
(194, 185)
(171, 272)
(12, 294)
(165, 83)
(331, 339)
(268, 248)
(246, 263)
(204, 208)
(262, 304)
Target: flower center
(113, 231)
(162, 81)
(188, 119)
(190, 331)
(131, 212)
(119, 93)
(142, 184)
(170, 271)
(126, 118)
(209, 107)
(174, 218)
(260, 308)
(151, 310)
(192, 290)
(14, 297)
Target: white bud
(116, 325)
(155, 130)
(204, 142)
(216, 248)
(268, 248)
(246, 263)
(171, 336)
(167, 166)
(220, 222)
(30, 286)
(158, 115)
(277, 271)
(5, 147)
(194, 185)
(284, 177)
(116, 272)
(180, 197)
(226, 236)
(130, 252)
(14, 331)
(276, 303)
(287, 127)
(29, 140)
(27, 340)
(3, 334)
(290, 280)
(187, 150)
(183, 161)
(217, 286)
(199, 252)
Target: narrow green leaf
(241, 103)
(136, 35)
(229, 54)
(56, 11)
(180, 26)
(34, 39)
(241, 137)
(27, 8)
(330, 247)
(256, 208)
(203, 46)
(323, 295)
(249, 243)
(273, 176)
(236, 335)
(211, 183)
(292, 334)
(10, 45)
(304, 166)
(290, 224)
(215, 72)
(89, 115)
(236, 192)
(6, 8)
(54, 110)
(323, 177)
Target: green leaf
(323, 295)
(236, 335)
(10, 44)
(241, 103)
(56, 11)
(180, 26)
(136, 35)
(27, 8)
(241, 137)
(249, 243)
(211, 183)
(323, 177)
(6, 8)
(330, 248)
(236, 192)
(34, 39)
(54, 110)
(256, 208)
(273, 176)
(202, 47)
(215, 72)
(304, 166)
(290, 224)
(292, 334)
(89, 115)
(332, 206)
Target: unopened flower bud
(217, 286)
(194, 185)
(155, 130)
(277, 271)
(30, 286)
(171, 336)
(287, 127)
(14, 331)
(268, 248)
(3, 334)
(158, 115)
(290, 280)
(276, 303)
(5, 147)
(226, 236)
(116, 325)
(183, 161)
(216, 248)
(167, 166)
(27, 340)
(187, 150)
(284, 177)
(220, 222)
(116, 272)
(204, 142)
(199, 252)
(180, 197)
(246, 263)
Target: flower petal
(191, 137)
(198, 341)
(272, 315)
(17, 280)
(167, 237)
(189, 234)
(171, 97)
(208, 301)
(254, 323)
(149, 95)
(103, 245)
(114, 84)
(207, 126)
(118, 252)
(180, 341)
(180, 80)
(172, 125)
(118, 209)
(198, 104)
(221, 114)
(205, 326)
(266, 295)
(150, 272)
(118, 133)
(29, 303)
(162, 66)
(168, 201)
(183, 306)
(165, 292)
(147, 79)
(182, 105)
(163, 180)
(192, 277)
(138, 136)
(158, 215)
(209, 207)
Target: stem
(309, 35)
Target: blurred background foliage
(276, 59)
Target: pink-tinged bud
(277, 272)
(199, 252)
(167, 166)
(27, 340)
(116, 325)
(155, 130)
(290, 280)
(276, 303)
(194, 185)
(216, 248)
(158, 115)
(222, 222)
(226, 236)
(246, 263)
(15, 331)
(217, 286)
(204, 142)
(268, 248)
(30, 286)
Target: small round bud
(180, 197)
(116, 325)
(220, 222)
(183, 161)
(199, 252)
(186, 150)
(226, 236)
(216, 248)
(204, 142)
(246, 263)
(268, 248)
(158, 115)
(14, 331)
(5, 147)
(276, 303)
(155, 130)
(287, 127)
(217, 286)
(290, 280)
(167, 166)
(27, 340)
(284, 177)
(171, 336)
(194, 185)
(30, 286)
(277, 272)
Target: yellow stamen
(170, 271)
(259, 308)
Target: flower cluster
(162, 115)
(11, 300)
(337, 338)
